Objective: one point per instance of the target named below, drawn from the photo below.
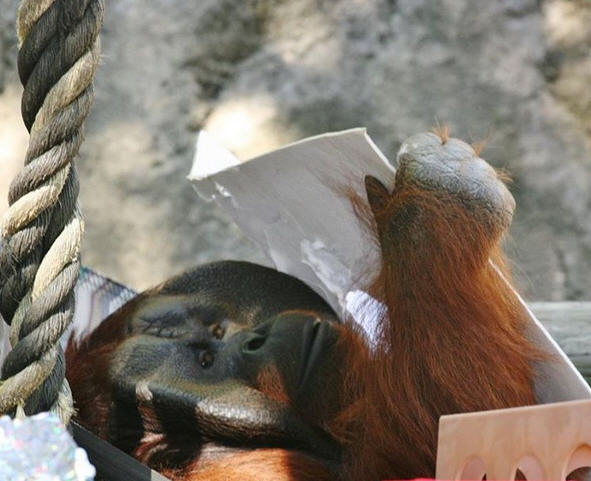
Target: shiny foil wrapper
(39, 448)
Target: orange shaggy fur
(451, 340)
(442, 131)
(260, 465)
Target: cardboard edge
(559, 369)
(111, 463)
(206, 139)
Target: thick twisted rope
(42, 229)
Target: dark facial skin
(230, 355)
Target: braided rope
(42, 229)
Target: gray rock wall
(260, 73)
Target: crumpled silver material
(39, 448)
(96, 298)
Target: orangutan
(234, 371)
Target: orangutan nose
(253, 342)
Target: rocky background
(260, 73)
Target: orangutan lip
(312, 348)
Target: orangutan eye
(205, 359)
(218, 331)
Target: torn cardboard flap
(290, 203)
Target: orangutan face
(219, 363)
